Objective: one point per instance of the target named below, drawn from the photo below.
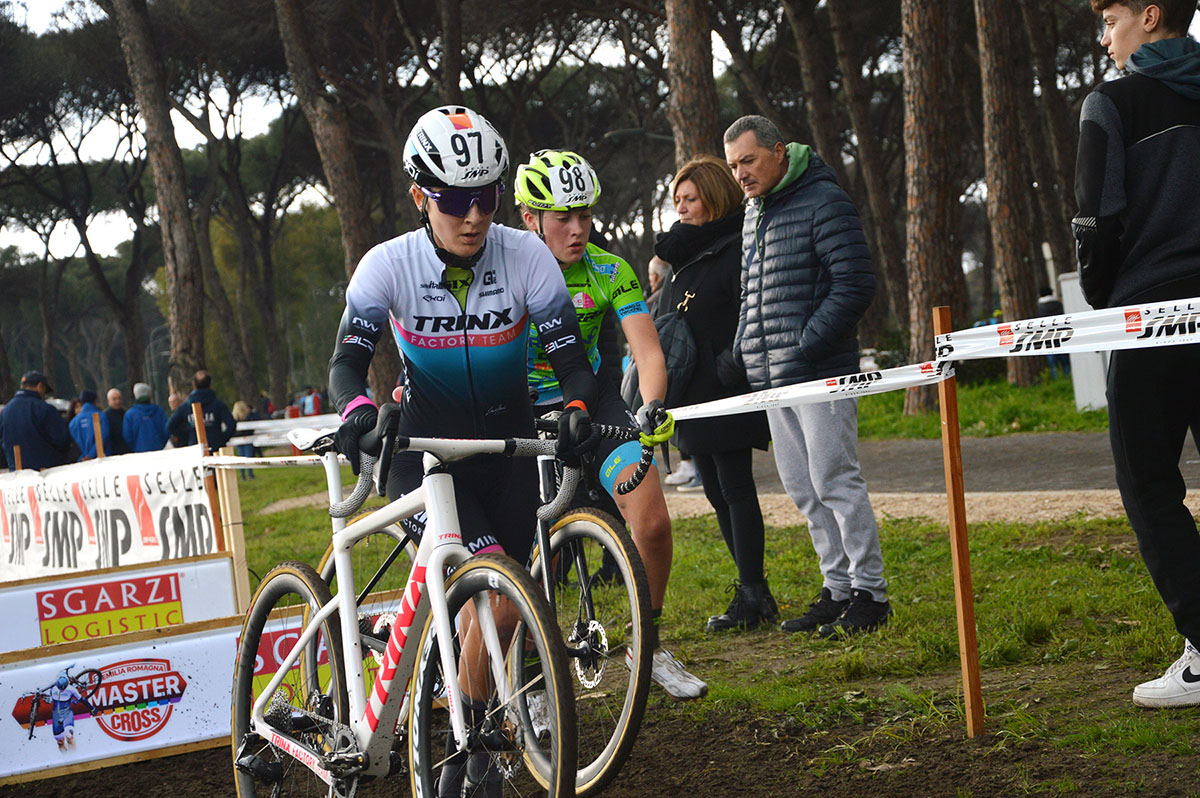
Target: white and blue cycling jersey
(462, 333)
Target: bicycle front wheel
(604, 618)
(88, 682)
(507, 751)
(310, 706)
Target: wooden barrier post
(231, 513)
(98, 436)
(964, 597)
(210, 484)
(17, 457)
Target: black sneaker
(744, 611)
(767, 607)
(864, 614)
(822, 611)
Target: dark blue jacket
(218, 421)
(145, 427)
(33, 424)
(806, 281)
(84, 435)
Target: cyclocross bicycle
(310, 718)
(605, 623)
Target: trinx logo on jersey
(488, 320)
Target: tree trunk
(814, 74)
(1041, 28)
(331, 132)
(870, 162)
(1008, 198)
(185, 288)
(692, 106)
(743, 67)
(7, 385)
(450, 71)
(934, 254)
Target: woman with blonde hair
(704, 250)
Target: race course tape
(823, 390)
(1132, 327)
(1172, 323)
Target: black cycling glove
(360, 421)
(576, 437)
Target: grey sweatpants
(816, 452)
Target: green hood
(798, 156)
(1174, 61)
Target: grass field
(1068, 622)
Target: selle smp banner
(135, 508)
(1132, 327)
(823, 390)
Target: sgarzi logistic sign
(108, 608)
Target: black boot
(744, 611)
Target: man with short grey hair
(806, 282)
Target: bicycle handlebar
(370, 465)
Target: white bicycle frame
(373, 718)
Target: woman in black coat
(704, 250)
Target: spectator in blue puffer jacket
(806, 282)
(145, 424)
(81, 428)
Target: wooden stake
(964, 597)
(98, 436)
(210, 484)
(17, 456)
(231, 513)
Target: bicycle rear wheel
(503, 744)
(309, 707)
(605, 623)
(88, 682)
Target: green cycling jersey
(597, 281)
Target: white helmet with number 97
(454, 147)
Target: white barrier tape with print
(1132, 327)
(823, 390)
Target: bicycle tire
(545, 763)
(88, 681)
(311, 694)
(34, 705)
(610, 696)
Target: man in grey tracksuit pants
(806, 281)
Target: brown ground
(735, 752)
(744, 753)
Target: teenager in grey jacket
(806, 282)
(1138, 234)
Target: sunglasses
(458, 201)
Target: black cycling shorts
(496, 496)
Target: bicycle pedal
(260, 769)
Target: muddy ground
(729, 751)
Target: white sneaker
(670, 675)
(1178, 687)
(693, 486)
(685, 472)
